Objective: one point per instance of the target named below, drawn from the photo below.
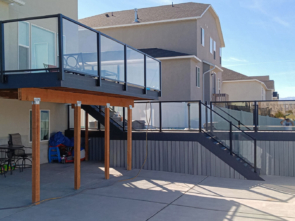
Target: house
(240, 87)
(49, 62)
(186, 37)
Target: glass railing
(238, 143)
(33, 45)
(239, 113)
(276, 115)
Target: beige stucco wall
(176, 36)
(15, 118)
(40, 7)
(243, 91)
(207, 22)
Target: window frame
(30, 129)
(198, 77)
(203, 37)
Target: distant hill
(287, 98)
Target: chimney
(135, 15)
(172, 4)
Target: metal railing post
(160, 80)
(123, 118)
(160, 115)
(189, 115)
(231, 138)
(2, 58)
(145, 88)
(125, 68)
(200, 116)
(211, 121)
(255, 113)
(206, 116)
(255, 156)
(99, 59)
(61, 48)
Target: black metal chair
(20, 154)
(3, 161)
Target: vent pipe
(135, 15)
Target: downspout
(204, 78)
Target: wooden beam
(107, 142)
(9, 94)
(55, 96)
(86, 136)
(77, 145)
(129, 139)
(36, 151)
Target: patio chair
(20, 154)
(3, 161)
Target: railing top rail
(78, 23)
(190, 101)
(227, 121)
(252, 101)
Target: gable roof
(160, 14)
(162, 53)
(230, 75)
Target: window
(198, 76)
(214, 49)
(211, 46)
(218, 86)
(44, 124)
(203, 36)
(23, 45)
(220, 54)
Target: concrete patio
(152, 195)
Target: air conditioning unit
(19, 2)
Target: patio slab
(152, 195)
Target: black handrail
(231, 132)
(239, 122)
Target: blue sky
(259, 34)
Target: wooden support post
(129, 139)
(107, 142)
(86, 136)
(77, 145)
(36, 151)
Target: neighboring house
(240, 87)
(186, 37)
(25, 49)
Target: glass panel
(276, 115)
(152, 74)
(145, 116)
(218, 127)
(31, 44)
(239, 113)
(80, 55)
(175, 116)
(112, 59)
(194, 116)
(243, 146)
(135, 67)
(71, 117)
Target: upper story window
(198, 76)
(203, 36)
(219, 85)
(211, 45)
(214, 45)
